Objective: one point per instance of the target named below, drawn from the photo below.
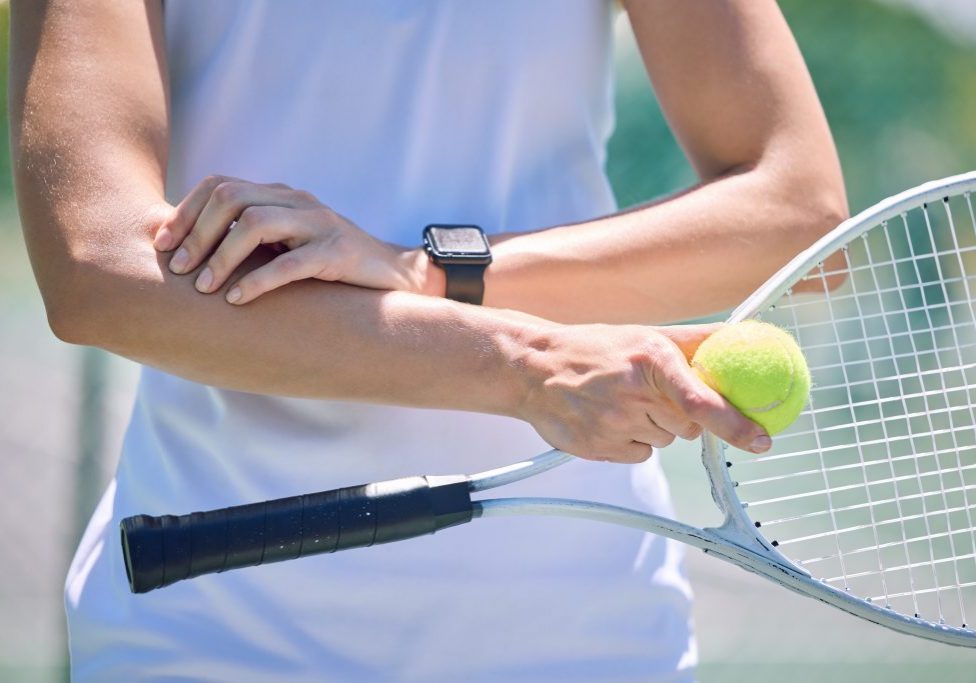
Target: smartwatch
(463, 252)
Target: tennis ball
(759, 369)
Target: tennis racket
(864, 503)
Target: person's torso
(396, 114)
(399, 114)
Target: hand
(606, 392)
(227, 219)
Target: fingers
(631, 454)
(704, 406)
(673, 424)
(297, 264)
(257, 225)
(621, 435)
(656, 426)
(617, 429)
(688, 337)
(204, 216)
(223, 221)
(173, 231)
(623, 452)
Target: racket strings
(906, 260)
(840, 468)
(959, 343)
(896, 335)
(941, 491)
(860, 451)
(907, 518)
(873, 489)
(959, 557)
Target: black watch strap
(465, 282)
(464, 253)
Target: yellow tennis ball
(759, 369)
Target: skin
(90, 191)
(751, 116)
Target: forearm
(694, 254)
(310, 339)
(89, 130)
(733, 86)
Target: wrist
(496, 368)
(461, 253)
(434, 277)
(422, 275)
(525, 348)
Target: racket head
(871, 494)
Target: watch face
(463, 243)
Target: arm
(735, 90)
(90, 192)
(737, 94)
(90, 133)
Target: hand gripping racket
(866, 503)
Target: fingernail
(761, 444)
(164, 239)
(204, 280)
(234, 295)
(179, 261)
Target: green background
(901, 100)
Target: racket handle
(160, 551)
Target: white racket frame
(738, 540)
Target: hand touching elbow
(223, 220)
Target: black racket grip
(160, 551)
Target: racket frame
(738, 540)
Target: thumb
(689, 337)
(705, 406)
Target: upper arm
(732, 84)
(89, 128)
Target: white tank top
(396, 114)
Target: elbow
(89, 289)
(61, 269)
(833, 213)
(62, 319)
(72, 307)
(72, 314)
(825, 209)
(803, 190)
(821, 207)
(807, 202)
